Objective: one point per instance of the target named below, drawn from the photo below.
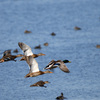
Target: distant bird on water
(46, 44)
(77, 28)
(61, 97)
(98, 46)
(37, 47)
(26, 32)
(15, 51)
(40, 83)
(53, 34)
(54, 64)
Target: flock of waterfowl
(34, 71)
(7, 56)
(29, 57)
(33, 65)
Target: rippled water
(43, 18)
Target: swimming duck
(53, 34)
(37, 47)
(15, 51)
(61, 97)
(46, 44)
(98, 46)
(53, 64)
(8, 57)
(33, 65)
(77, 28)
(40, 83)
(26, 32)
(34, 56)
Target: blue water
(43, 18)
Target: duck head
(66, 61)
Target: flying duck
(34, 56)
(54, 64)
(8, 57)
(33, 65)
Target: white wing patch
(28, 52)
(32, 64)
(26, 49)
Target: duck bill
(43, 54)
(51, 72)
(1, 60)
(69, 62)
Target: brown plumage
(37, 73)
(61, 64)
(53, 34)
(37, 47)
(98, 46)
(77, 28)
(46, 44)
(7, 52)
(26, 32)
(61, 97)
(33, 65)
(15, 51)
(34, 56)
(8, 57)
(39, 83)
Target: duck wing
(32, 64)
(6, 53)
(50, 65)
(26, 49)
(63, 67)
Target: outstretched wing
(7, 52)
(32, 64)
(50, 65)
(26, 49)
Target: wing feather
(63, 67)
(26, 49)
(32, 64)
(50, 65)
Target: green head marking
(66, 61)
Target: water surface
(43, 18)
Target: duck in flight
(8, 57)
(27, 51)
(61, 64)
(33, 65)
(34, 56)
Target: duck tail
(31, 85)
(68, 72)
(27, 76)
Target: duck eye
(25, 50)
